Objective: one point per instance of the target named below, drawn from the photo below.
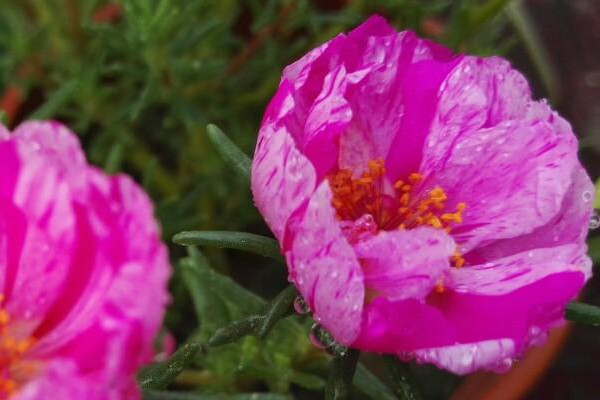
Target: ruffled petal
(327, 119)
(478, 93)
(405, 264)
(54, 140)
(569, 226)
(382, 94)
(478, 317)
(61, 379)
(403, 325)
(513, 178)
(420, 87)
(505, 275)
(325, 270)
(282, 178)
(122, 283)
(492, 355)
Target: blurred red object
(11, 101)
(109, 13)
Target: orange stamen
(13, 369)
(410, 204)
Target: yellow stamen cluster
(13, 370)
(427, 210)
(409, 206)
(354, 197)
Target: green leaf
(594, 249)
(232, 155)
(56, 100)
(159, 376)
(272, 360)
(150, 395)
(244, 300)
(236, 330)
(250, 242)
(3, 118)
(280, 307)
(585, 314)
(370, 385)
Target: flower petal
(513, 178)
(505, 275)
(282, 178)
(327, 119)
(403, 325)
(113, 291)
(405, 264)
(325, 270)
(493, 355)
(63, 380)
(55, 140)
(4, 133)
(569, 226)
(478, 317)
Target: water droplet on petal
(594, 220)
(587, 196)
(300, 306)
(534, 330)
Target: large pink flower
(83, 272)
(426, 205)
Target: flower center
(404, 204)
(14, 371)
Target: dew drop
(587, 196)
(300, 306)
(534, 331)
(594, 220)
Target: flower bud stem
(341, 375)
(402, 382)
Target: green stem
(341, 375)
(402, 380)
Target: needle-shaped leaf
(582, 313)
(244, 241)
(231, 154)
(280, 307)
(160, 375)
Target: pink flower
(426, 205)
(83, 273)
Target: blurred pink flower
(426, 205)
(83, 273)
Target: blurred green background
(139, 80)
